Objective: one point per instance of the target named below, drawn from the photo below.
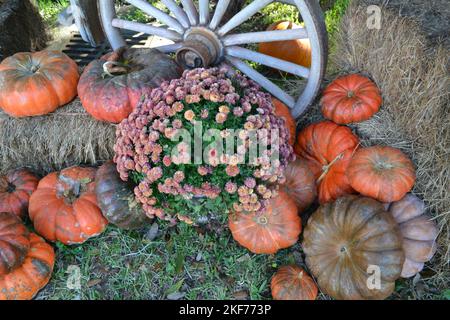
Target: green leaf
(446, 294)
(175, 287)
(179, 262)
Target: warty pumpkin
(33, 84)
(351, 98)
(293, 283)
(16, 186)
(116, 199)
(419, 233)
(300, 184)
(327, 149)
(282, 111)
(346, 243)
(64, 206)
(295, 51)
(14, 242)
(32, 275)
(276, 227)
(111, 87)
(383, 173)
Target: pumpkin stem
(113, 65)
(327, 167)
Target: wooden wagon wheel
(201, 38)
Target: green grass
(199, 263)
(49, 10)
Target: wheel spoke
(269, 61)
(177, 12)
(265, 36)
(203, 8)
(191, 11)
(145, 28)
(262, 81)
(158, 14)
(169, 48)
(221, 8)
(243, 15)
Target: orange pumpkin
(14, 242)
(282, 111)
(64, 206)
(327, 149)
(354, 249)
(276, 227)
(24, 282)
(33, 84)
(15, 190)
(351, 98)
(300, 184)
(419, 233)
(295, 51)
(383, 173)
(293, 283)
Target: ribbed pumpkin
(32, 275)
(344, 239)
(116, 199)
(293, 283)
(14, 242)
(295, 51)
(111, 87)
(64, 206)
(327, 149)
(352, 98)
(300, 184)
(419, 233)
(277, 227)
(33, 84)
(282, 111)
(383, 173)
(16, 186)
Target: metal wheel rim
(183, 20)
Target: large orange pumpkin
(300, 184)
(130, 73)
(33, 84)
(328, 148)
(295, 51)
(293, 283)
(14, 242)
(383, 173)
(351, 98)
(25, 281)
(278, 226)
(282, 111)
(16, 186)
(354, 249)
(64, 206)
(419, 233)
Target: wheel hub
(201, 48)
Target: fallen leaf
(240, 295)
(93, 282)
(176, 295)
(152, 232)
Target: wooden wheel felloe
(202, 38)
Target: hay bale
(68, 136)
(415, 117)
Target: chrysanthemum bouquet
(203, 144)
